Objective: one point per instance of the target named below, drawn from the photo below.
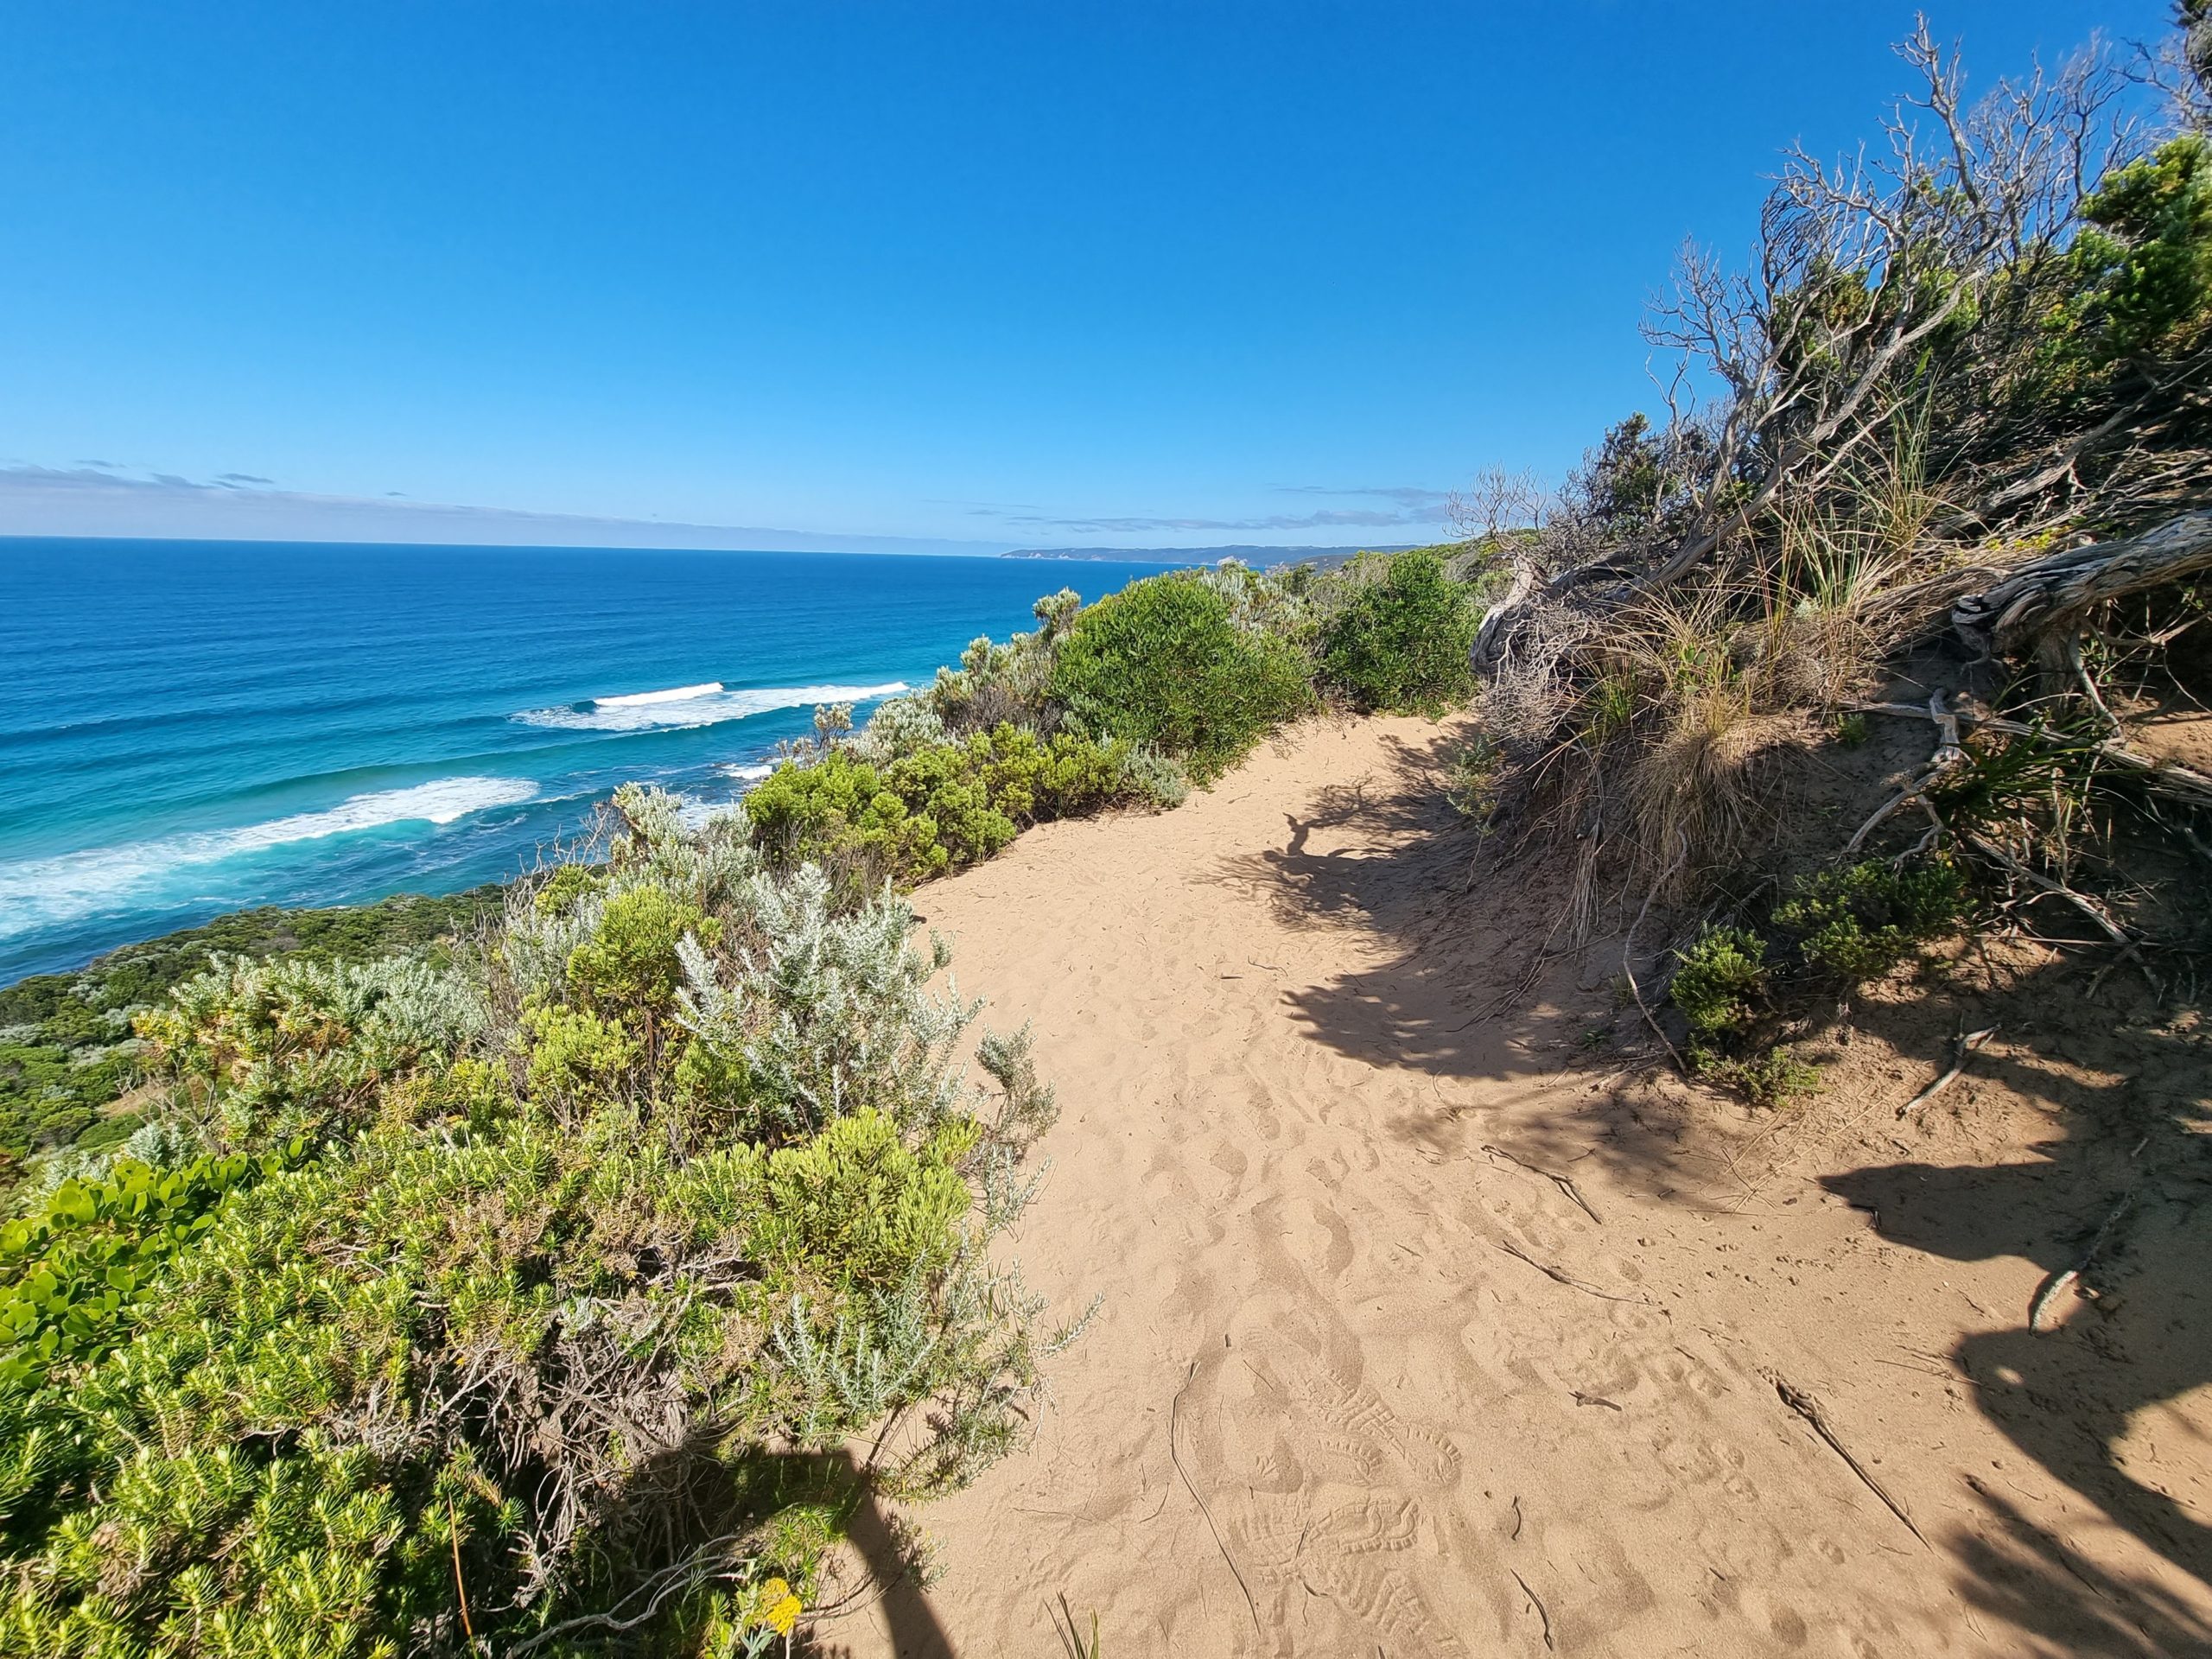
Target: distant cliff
(1261, 558)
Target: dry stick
(1537, 1602)
(1961, 1048)
(2058, 1283)
(1949, 754)
(2088, 906)
(2088, 684)
(1515, 1250)
(2177, 782)
(1809, 1408)
(453, 1531)
(1175, 1458)
(1565, 1183)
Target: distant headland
(1261, 558)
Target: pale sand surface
(1323, 1410)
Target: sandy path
(1323, 1410)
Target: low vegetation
(66, 1046)
(528, 1296)
(1127, 703)
(1734, 985)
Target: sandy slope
(1326, 1408)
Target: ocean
(190, 728)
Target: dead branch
(1555, 1276)
(1565, 1183)
(2056, 589)
(1175, 1457)
(1809, 1408)
(2165, 777)
(2058, 1283)
(1961, 1048)
(1948, 754)
(2081, 901)
(1536, 1602)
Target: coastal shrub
(842, 808)
(256, 1053)
(595, 1289)
(1400, 644)
(1163, 665)
(74, 1270)
(1159, 780)
(1856, 924)
(66, 1049)
(1773, 1078)
(1721, 983)
(898, 726)
(1010, 683)
(1471, 785)
(936, 807)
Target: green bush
(1770, 1079)
(1163, 665)
(66, 1045)
(591, 1293)
(1856, 924)
(1721, 982)
(1400, 644)
(74, 1270)
(936, 807)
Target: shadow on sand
(2118, 1197)
(1462, 986)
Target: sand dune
(1364, 1384)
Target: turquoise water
(191, 727)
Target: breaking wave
(683, 706)
(46, 890)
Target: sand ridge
(1366, 1379)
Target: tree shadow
(1388, 858)
(2119, 1189)
(697, 1496)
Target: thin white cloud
(91, 500)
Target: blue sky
(1041, 274)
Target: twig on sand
(1175, 1412)
(1961, 1047)
(1565, 1183)
(1536, 1602)
(1809, 1408)
(2059, 1283)
(1582, 1399)
(1515, 1250)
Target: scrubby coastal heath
(1633, 1083)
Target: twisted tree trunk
(2053, 594)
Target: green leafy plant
(938, 807)
(1400, 644)
(595, 1257)
(1163, 665)
(1770, 1079)
(1857, 923)
(1721, 981)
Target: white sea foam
(45, 890)
(674, 693)
(696, 705)
(747, 771)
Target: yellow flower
(779, 1608)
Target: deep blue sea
(189, 727)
